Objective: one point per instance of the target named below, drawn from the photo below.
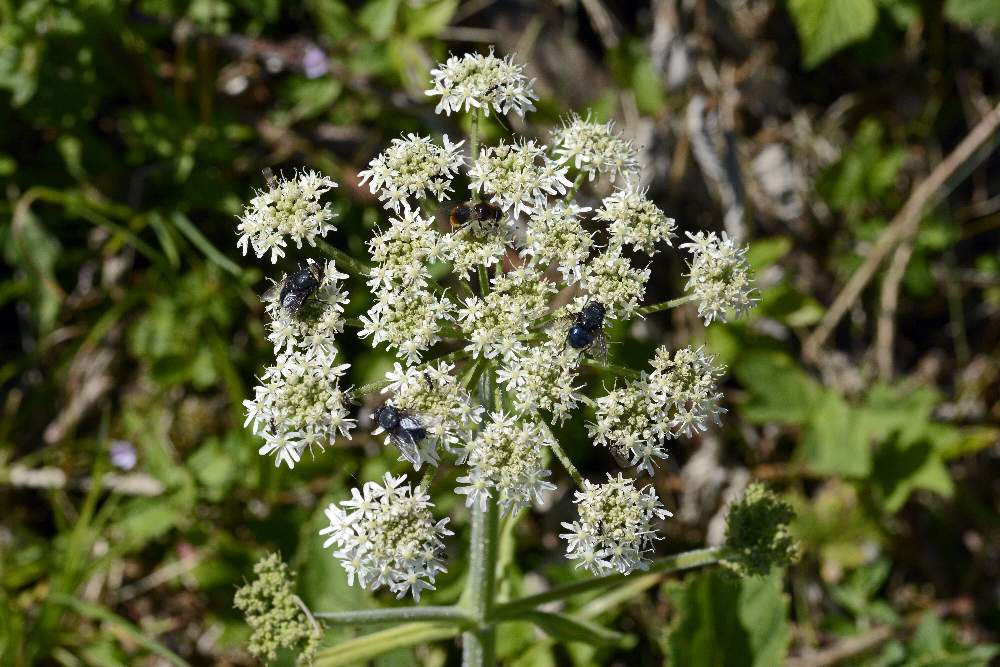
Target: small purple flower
(314, 62)
(123, 455)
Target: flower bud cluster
(634, 220)
(719, 276)
(289, 209)
(595, 148)
(556, 236)
(482, 82)
(616, 529)
(385, 535)
(757, 537)
(505, 462)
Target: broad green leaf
(827, 26)
(428, 19)
(379, 16)
(973, 13)
(836, 442)
(765, 252)
(723, 620)
(780, 391)
(901, 469)
(569, 629)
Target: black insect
(294, 289)
(463, 213)
(587, 329)
(405, 431)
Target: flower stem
(343, 260)
(474, 144)
(676, 563)
(577, 182)
(479, 645)
(562, 455)
(623, 371)
(395, 615)
(666, 305)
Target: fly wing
(406, 443)
(291, 300)
(272, 292)
(599, 348)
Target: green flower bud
(757, 535)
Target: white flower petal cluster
(493, 324)
(611, 279)
(477, 81)
(541, 378)
(685, 384)
(434, 396)
(413, 167)
(678, 398)
(518, 177)
(478, 243)
(385, 535)
(403, 252)
(505, 463)
(289, 209)
(299, 404)
(408, 319)
(636, 221)
(719, 276)
(555, 235)
(594, 148)
(615, 532)
(316, 323)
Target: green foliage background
(131, 133)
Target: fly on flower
(405, 431)
(294, 289)
(463, 213)
(587, 330)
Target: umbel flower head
(757, 536)
(315, 325)
(615, 532)
(289, 209)
(387, 536)
(275, 617)
(505, 463)
(635, 221)
(595, 148)
(719, 276)
(413, 167)
(299, 404)
(542, 378)
(482, 82)
(408, 319)
(518, 177)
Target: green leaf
(379, 16)
(780, 391)
(973, 13)
(569, 629)
(827, 26)
(765, 252)
(367, 647)
(723, 620)
(427, 20)
(836, 441)
(901, 469)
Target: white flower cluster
(494, 324)
(477, 81)
(505, 463)
(289, 208)
(403, 251)
(318, 320)
(387, 536)
(678, 397)
(556, 236)
(635, 221)
(409, 320)
(299, 404)
(719, 276)
(518, 177)
(479, 243)
(541, 378)
(413, 167)
(615, 532)
(594, 148)
(446, 410)
(612, 280)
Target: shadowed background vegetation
(131, 134)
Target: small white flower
(635, 220)
(318, 320)
(414, 167)
(555, 235)
(299, 404)
(493, 324)
(685, 384)
(505, 462)
(595, 148)
(288, 209)
(477, 81)
(616, 530)
(611, 279)
(389, 538)
(630, 422)
(719, 276)
(408, 319)
(518, 177)
(541, 377)
(478, 243)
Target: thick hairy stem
(478, 645)
(343, 260)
